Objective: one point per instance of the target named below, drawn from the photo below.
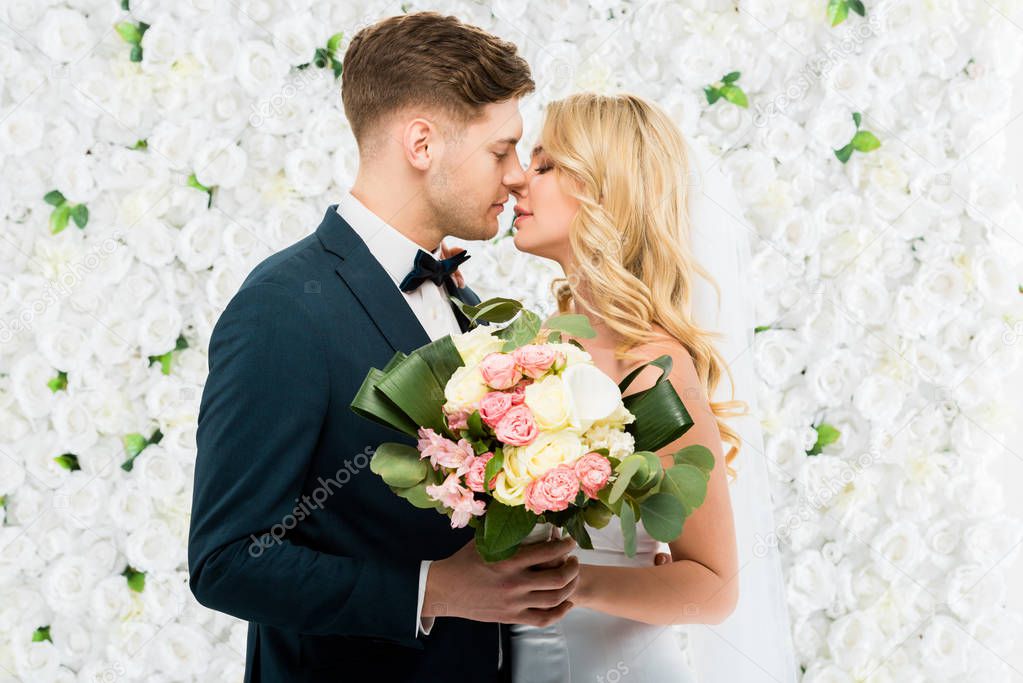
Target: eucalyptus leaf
(628, 521)
(686, 483)
(574, 324)
(696, 455)
(398, 464)
(662, 516)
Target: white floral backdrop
(153, 153)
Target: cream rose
(465, 388)
(522, 464)
(475, 344)
(550, 402)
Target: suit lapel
(374, 289)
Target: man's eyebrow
(507, 141)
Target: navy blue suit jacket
(290, 530)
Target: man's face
(474, 175)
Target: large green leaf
(417, 496)
(504, 526)
(696, 455)
(412, 387)
(443, 358)
(521, 331)
(373, 404)
(575, 324)
(687, 483)
(628, 521)
(399, 465)
(661, 417)
(662, 516)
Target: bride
(617, 197)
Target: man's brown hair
(428, 59)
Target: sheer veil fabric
(754, 644)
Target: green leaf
(124, 5)
(845, 153)
(136, 53)
(661, 417)
(80, 214)
(493, 467)
(418, 497)
(857, 7)
(40, 634)
(574, 324)
(554, 338)
(857, 118)
(713, 94)
(628, 467)
(687, 484)
(521, 331)
(54, 197)
(399, 465)
(68, 461)
(412, 387)
(443, 358)
(696, 455)
(59, 218)
(334, 41)
(662, 515)
(627, 518)
(865, 141)
(373, 404)
(136, 579)
(497, 310)
(577, 529)
(837, 11)
(486, 552)
(129, 32)
(134, 443)
(505, 526)
(826, 435)
(58, 383)
(735, 95)
(597, 515)
(761, 328)
(141, 144)
(731, 77)
(476, 429)
(337, 66)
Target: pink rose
(535, 359)
(553, 491)
(477, 471)
(493, 406)
(593, 470)
(518, 392)
(499, 370)
(517, 427)
(444, 452)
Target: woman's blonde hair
(626, 162)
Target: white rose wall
(154, 152)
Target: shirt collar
(395, 252)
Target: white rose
(811, 582)
(779, 355)
(853, 641)
(29, 376)
(21, 131)
(36, 661)
(308, 170)
(159, 328)
(899, 544)
(75, 180)
(832, 377)
(67, 584)
(159, 474)
(198, 243)
(550, 402)
(220, 162)
(216, 47)
(176, 144)
(993, 541)
(152, 547)
(464, 389)
(944, 652)
(64, 35)
(181, 651)
(260, 68)
(73, 639)
(522, 464)
(129, 507)
(165, 597)
(879, 398)
(474, 345)
(152, 241)
(81, 500)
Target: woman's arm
(701, 584)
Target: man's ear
(419, 135)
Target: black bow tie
(426, 267)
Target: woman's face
(543, 211)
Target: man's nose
(515, 181)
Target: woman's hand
(661, 558)
(448, 252)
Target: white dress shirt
(430, 303)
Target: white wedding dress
(602, 647)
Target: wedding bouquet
(518, 428)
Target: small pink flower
(593, 470)
(535, 359)
(493, 406)
(444, 452)
(458, 420)
(553, 491)
(460, 499)
(518, 392)
(499, 370)
(477, 471)
(517, 427)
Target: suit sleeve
(260, 417)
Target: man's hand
(448, 252)
(511, 591)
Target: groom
(339, 578)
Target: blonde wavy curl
(626, 162)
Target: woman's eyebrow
(536, 150)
